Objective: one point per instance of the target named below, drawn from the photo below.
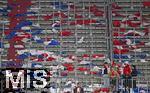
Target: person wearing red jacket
(127, 70)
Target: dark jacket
(105, 70)
(81, 90)
(134, 72)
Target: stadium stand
(73, 38)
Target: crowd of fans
(115, 75)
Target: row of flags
(21, 30)
(131, 20)
(42, 55)
(129, 32)
(14, 31)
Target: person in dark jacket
(78, 89)
(106, 79)
(134, 75)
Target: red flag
(67, 65)
(65, 33)
(122, 29)
(85, 22)
(117, 34)
(83, 69)
(16, 38)
(11, 19)
(93, 8)
(14, 21)
(47, 17)
(85, 55)
(97, 12)
(40, 60)
(119, 30)
(120, 51)
(115, 14)
(11, 51)
(98, 55)
(133, 24)
(60, 14)
(44, 55)
(146, 3)
(104, 90)
(21, 4)
(13, 12)
(116, 23)
(50, 59)
(93, 72)
(22, 36)
(118, 42)
(70, 68)
(137, 14)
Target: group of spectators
(116, 75)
